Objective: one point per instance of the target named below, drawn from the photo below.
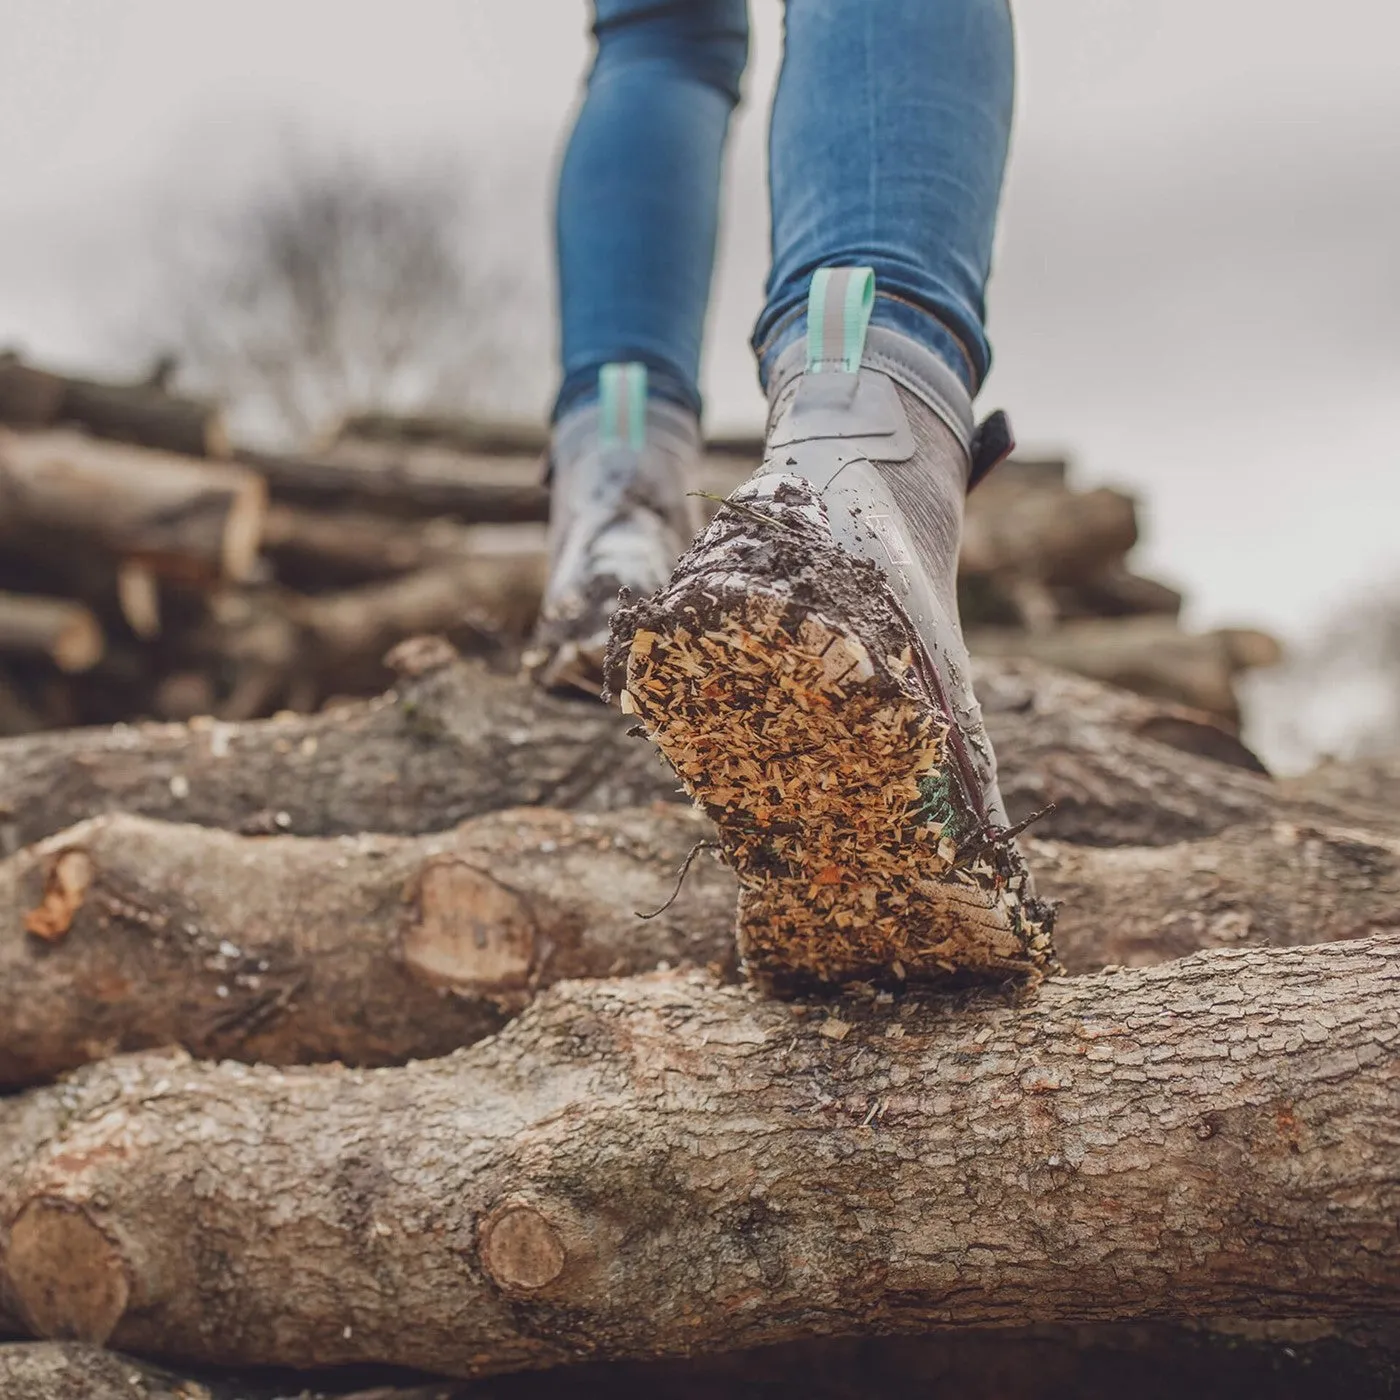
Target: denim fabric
(888, 142)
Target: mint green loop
(838, 314)
(622, 404)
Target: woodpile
(392, 1043)
(388, 1036)
(576, 1153)
(149, 570)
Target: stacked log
(150, 571)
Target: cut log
(17, 714)
(657, 1166)
(470, 436)
(1373, 781)
(1048, 534)
(144, 414)
(1278, 885)
(419, 481)
(409, 484)
(183, 517)
(453, 740)
(1149, 655)
(495, 595)
(63, 631)
(1116, 592)
(125, 933)
(316, 550)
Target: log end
(69, 1279)
(520, 1247)
(470, 934)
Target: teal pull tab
(622, 405)
(838, 314)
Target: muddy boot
(619, 518)
(805, 674)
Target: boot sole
(814, 742)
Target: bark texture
(125, 933)
(1053, 535)
(1279, 885)
(407, 484)
(453, 740)
(661, 1165)
(75, 1371)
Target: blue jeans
(887, 144)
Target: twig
(761, 516)
(680, 877)
(999, 836)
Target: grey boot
(620, 516)
(805, 674)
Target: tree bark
(453, 740)
(459, 433)
(658, 1166)
(182, 517)
(125, 933)
(1117, 592)
(144, 414)
(1372, 781)
(65, 632)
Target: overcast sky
(1197, 293)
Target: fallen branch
(1149, 655)
(145, 414)
(407, 484)
(657, 1166)
(180, 516)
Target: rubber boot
(620, 516)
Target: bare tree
(341, 284)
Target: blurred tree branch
(341, 284)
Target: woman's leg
(639, 192)
(889, 136)
(638, 207)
